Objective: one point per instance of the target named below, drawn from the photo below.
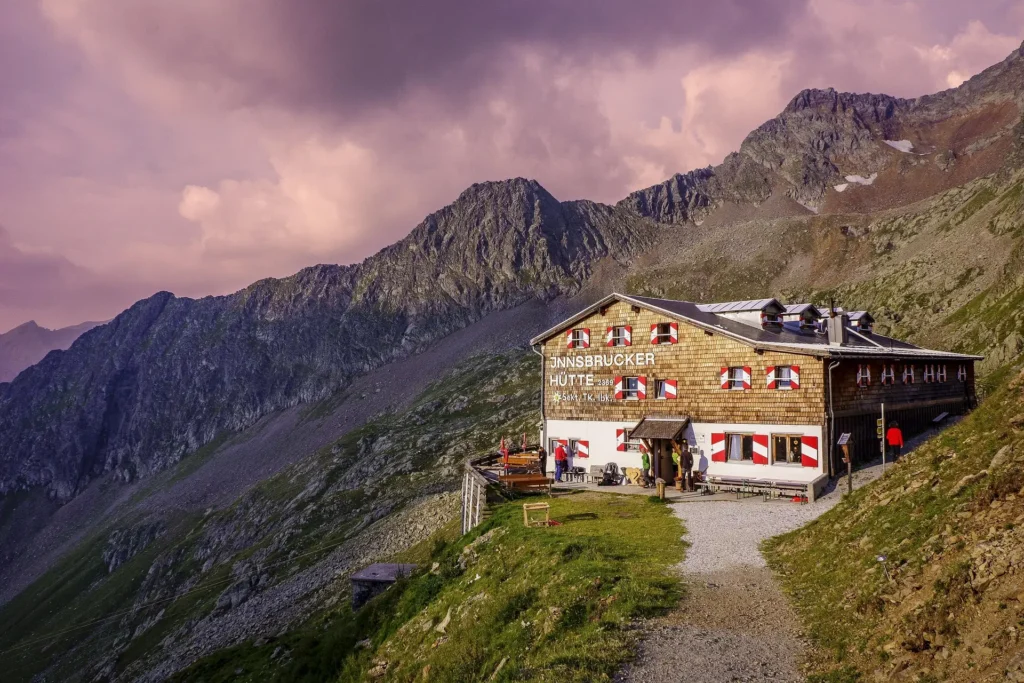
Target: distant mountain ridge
(28, 343)
(169, 374)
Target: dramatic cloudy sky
(199, 145)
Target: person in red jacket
(560, 459)
(894, 437)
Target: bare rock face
(169, 374)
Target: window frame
(778, 378)
(733, 386)
(666, 336)
(789, 438)
(634, 394)
(659, 384)
(619, 335)
(632, 445)
(744, 437)
(578, 339)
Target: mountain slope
(26, 345)
(947, 601)
(169, 374)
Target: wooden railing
(479, 476)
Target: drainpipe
(831, 414)
(543, 369)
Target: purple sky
(198, 146)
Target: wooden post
(849, 468)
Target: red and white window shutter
(725, 378)
(671, 388)
(888, 374)
(568, 340)
(627, 333)
(620, 439)
(863, 375)
(746, 377)
(760, 449)
(794, 376)
(641, 388)
(618, 387)
(582, 449)
(809, 451)
(770, 373)
(673, 330)
(961, 373)
(586, 338)
(718, 447)
(654, 333)
(609, 336)
(908, 374)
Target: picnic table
(525, 482)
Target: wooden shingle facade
(751, 386)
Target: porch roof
(660, 427)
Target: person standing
(686, 460)
(678, 466)
(542, 457)
(645, 465)
(560, 459)
(894, 437)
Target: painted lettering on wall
(603, 360)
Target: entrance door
(666, 468)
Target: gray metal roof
(797, 309)
(787, 337)
(738, 306)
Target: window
(579, 339)
(929, 374)
(621, 336)
(739, 447)
(770, 319)
(961, 373)
(630, 387)
(940, 373)
(863, 375)
(632, 444)
(908, 374)
(786, 449)
(889, 374)
(665, 388)
(783, 377)
(664, 333)
(738, 379)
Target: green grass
(553, 603)
(851, 607)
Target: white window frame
(619, 335)
(631, 394)
(735, 374)
(577, 338)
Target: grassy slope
(540, 604)
(951, 606)
(319, 502)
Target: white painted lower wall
(601, 435)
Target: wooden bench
(753, 486)
(525, 482)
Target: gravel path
(734, 624)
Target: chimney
(837, 329)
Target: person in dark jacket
(894, 437)
(542, 455)
(686, 462)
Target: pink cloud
(202, 146)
